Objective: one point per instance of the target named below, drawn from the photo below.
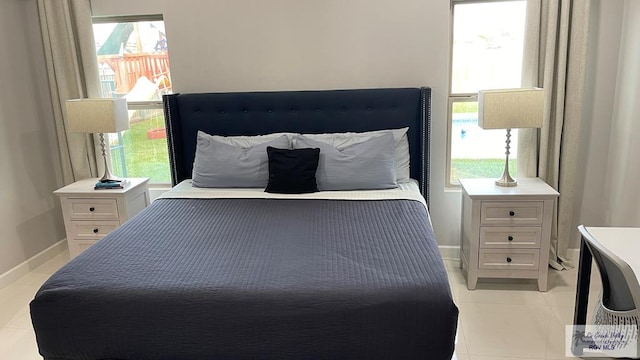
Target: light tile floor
(500, 320)
(17, 340)
(511, 319)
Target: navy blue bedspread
(254, 279)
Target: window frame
(457, 97)
(136, 105)
(462, 97)
(126, 18)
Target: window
(486, 53)
(133, 62)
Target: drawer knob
(512, 213)
(508, 259)
(92, 209)
(95, 231)
(510, 238)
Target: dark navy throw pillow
(292, 171)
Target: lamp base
(108, 176)
(506, 180)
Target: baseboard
(453, 253)
(32, 263)
(449, 252)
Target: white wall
(243, 45)
(30, 216)
(291, 44)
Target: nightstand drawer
(92, 229)
(517, 237)
(85, 209)
(511, 212)
(508, 259)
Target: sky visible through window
(487, 49)
(487, 46)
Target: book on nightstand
(110, 185)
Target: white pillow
(246, 142)
(402, 158)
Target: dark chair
(619, 300)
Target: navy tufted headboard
(258, 113)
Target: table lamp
(507, 109)
(98, 116)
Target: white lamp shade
(97, 115)
(510, 108)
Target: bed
(244, 274)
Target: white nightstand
(89, 215)
(506, 230)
